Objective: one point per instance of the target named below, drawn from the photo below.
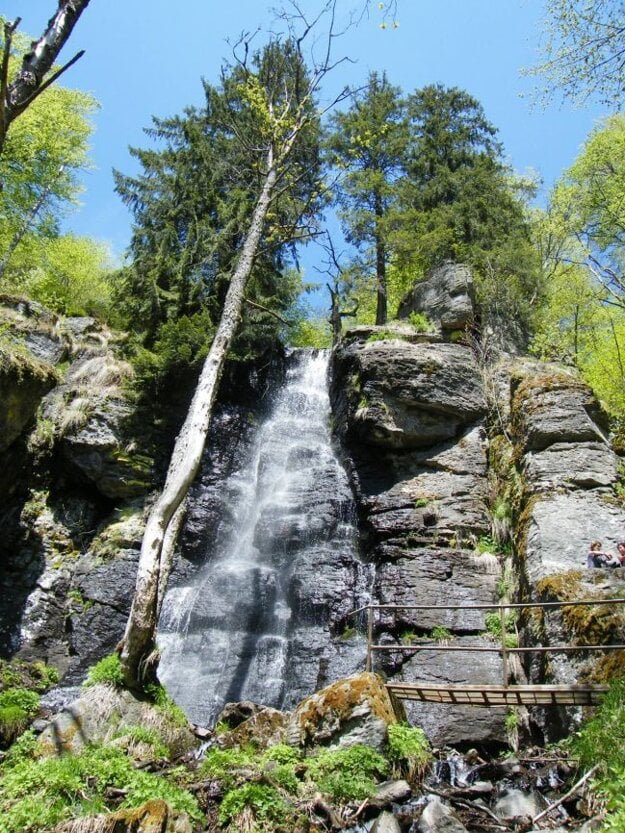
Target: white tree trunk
(163, 523)
(29, 81)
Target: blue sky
(146, 57)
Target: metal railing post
(504, 648)
(369, 665)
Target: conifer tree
(367, 143)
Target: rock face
(446, 296)
(566, 475)
(398, 395)
(30, 347)
(411, 420)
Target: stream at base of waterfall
(255, 621)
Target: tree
(18, 91)
(66, 273)
(273, 116)
(587, 203)
(459, 201)
(584, 51)
(44, 154)
(368, 143)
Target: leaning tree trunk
(30, 81)
(138, 644)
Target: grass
(37, 794)
(409, 751)
(107, 670)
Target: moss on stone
(336, 703)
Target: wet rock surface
(269, 571)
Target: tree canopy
(584, 51)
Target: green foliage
(181, 344)
(582, 240)
(68, 274)
(18, 706)
(193, 199)
(460, 202)
(107, 670)
(409, 750)
(347, 774)
(493, 627)
(368, 144)
(511, 721)
(163, 702)
(601, 741)
(441, 633)
(266, 804)
(144, 735)
(421, 322)
(34, 676)
(311, 332)
(45, 152)
(583, 51)
(38, 794)
(225, 764)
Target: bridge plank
(498, 695)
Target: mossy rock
(155, 816)
(349, 712)
(103, 712)
(264, 729)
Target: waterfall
(228, 633)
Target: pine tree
(367, 144)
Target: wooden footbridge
(505, 694)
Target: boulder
(559, 528)
(518, 804)
(386, 823)
(446, 296)
(265, 728)
(101, 713)
(390, 792)
(570, 466)
(357, 710)
(397, 395)
(439, 818)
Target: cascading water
(253, 622)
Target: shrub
(602, 741)
(107, 670)
(347, 774)
(39, 794)
(409, 750)
(421, 322)
(263, 802)
(225, 765)
(17, 707)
